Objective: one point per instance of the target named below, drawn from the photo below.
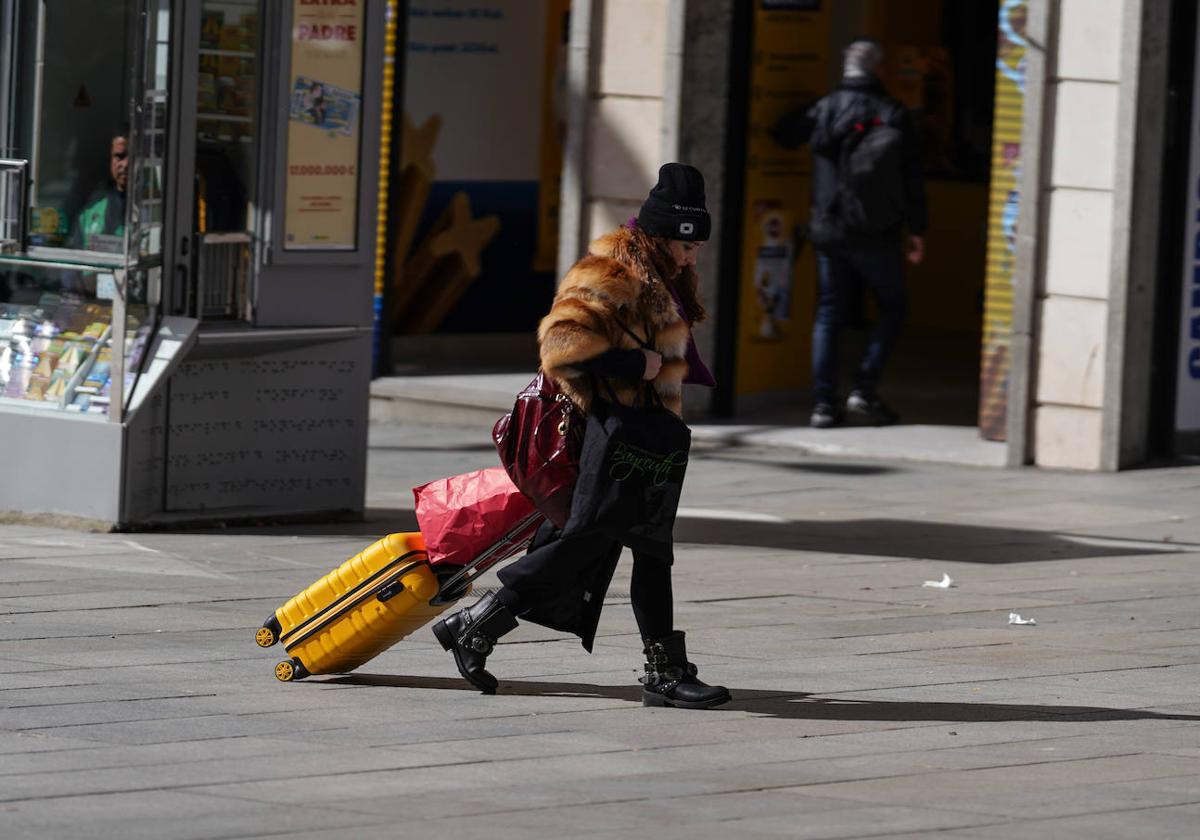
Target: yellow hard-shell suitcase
(357, 611)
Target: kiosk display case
(56, 335)
(160, 352)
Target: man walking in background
(867, 199)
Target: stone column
(1088, 233)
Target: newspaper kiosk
(187, 192)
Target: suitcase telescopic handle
(502, 549)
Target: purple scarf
(698, 372)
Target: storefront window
(78, 287)
(226, 151)
(149, 136)
(226, 101)
(73, 82)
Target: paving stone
(134, 702)
(152, 815)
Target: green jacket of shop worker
(105, 214)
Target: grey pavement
(135, 704)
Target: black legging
(651, 595)
(542, 572)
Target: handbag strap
(650, 396)
(653, 399)
(645, 343)
(649, 392)
(603, 380)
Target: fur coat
(613, 285)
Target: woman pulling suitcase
(618, 335)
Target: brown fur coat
(614, 281)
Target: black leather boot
(471, 634)
(670, 679)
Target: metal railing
(14, 204)
(223, 275)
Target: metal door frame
(178, 248)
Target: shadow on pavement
(908, 538)
(797, 706)
(718, 452)
(899, 538)
(485, 446)
(374, 524)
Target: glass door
(226, 112)
(139, 297)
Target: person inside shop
(867, 213)
(104, 212)
(619, 331)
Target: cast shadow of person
(792, 705)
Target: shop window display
(225, 115)
(56, 340)
(77, 283)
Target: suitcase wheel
(269, 633)
(291, 669)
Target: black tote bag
(631, 473)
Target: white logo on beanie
(687, 228)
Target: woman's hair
(685, 282)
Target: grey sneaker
(869, 410)
(823, 416)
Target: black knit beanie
(675, 207)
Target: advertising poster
(324, 126)
(1002, 219)
(476, 235)
(1187, 386)
(789, 55)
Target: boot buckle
(480, 645)
(657, 655)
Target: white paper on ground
(1015, 618)
(945, 583)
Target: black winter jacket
(826, 123)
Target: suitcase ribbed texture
(362, 607)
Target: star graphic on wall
(462, 234)
(417, 142)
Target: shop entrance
(941, 63)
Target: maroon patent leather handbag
(539, 443)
